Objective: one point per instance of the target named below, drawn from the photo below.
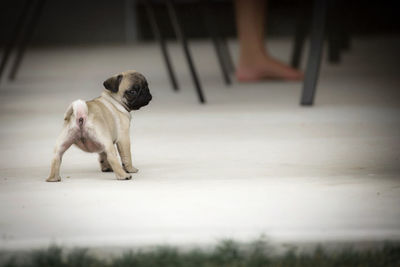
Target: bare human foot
(266, 68)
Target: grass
(227, 253)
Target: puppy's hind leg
(104, 165)
(64, 141)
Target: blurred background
(298, 163)
(70, 22)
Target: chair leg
(227, 54)
(345, 22)
(181, 37)
(32, 22)
(14, 35)
(222, 61)
(209, 21)
(334, 46)
(345, 40)
(334, 32)
(299, 38)
(315, 52)
(158, 36)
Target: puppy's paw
(125, 176)
(106, 169)
(131, 170)
(54, 179)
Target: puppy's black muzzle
(144, 97)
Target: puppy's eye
(132, 92)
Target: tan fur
(105, 131)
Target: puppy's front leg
(124, 149)
(113, 161)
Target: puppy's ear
(112, 83)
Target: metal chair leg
(334, 32)
(345, 40)
(158, 36)
(227, 54)
(14, 35)
(315, 53)
(209, 21)
(181, 37)
(345, 22)
(334, 46)
(27, 35)
(299, 37)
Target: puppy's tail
(80, 111)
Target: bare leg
(114, 163)
(63, 143)
(104, 165)
(255, 63)
(124, 149)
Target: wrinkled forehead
(133, 78)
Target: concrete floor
(251, 162)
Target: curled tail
(79, 110)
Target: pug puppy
(98, 125)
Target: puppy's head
(130, 88)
